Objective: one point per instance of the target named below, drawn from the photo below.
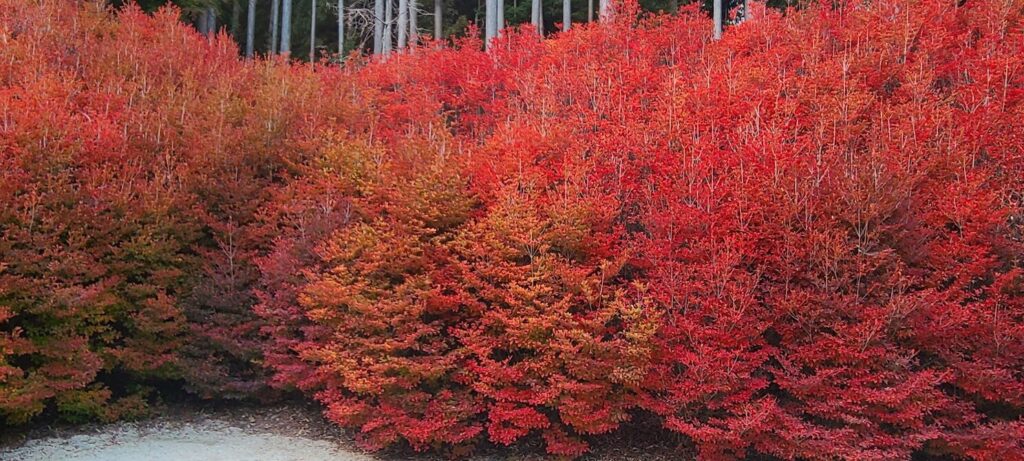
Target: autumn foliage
(804, 241)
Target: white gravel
(205, 440)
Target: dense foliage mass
(804, 241)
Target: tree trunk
(378, 26)
(717, 15)
(403, 24)
(438, 19)
(490, 22)
(501, 15)
(536, 16)
(202, 23)
(250, 29)
(341, 29)
(389, 17)
(312, 33)
(566, 15)
(275, 16)
(286, 26)
(211, 22)
(590, 10)
(414, 26)
(605, 10)
(236, 21)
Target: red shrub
(136, 156)
(385, 361)
(89, 247)
(557, 333)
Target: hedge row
(802, 241)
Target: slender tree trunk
(312, 33)
(286, 27)
(438, 19)
(275, 16)
(490, 21)
(536, 16)
(566, 15)
(236, 21)
(746, 9)
(605, 10)
(403, 24)
(211, 22)
(590, 10)
(250, 29)
(202, 23)
(717, 15)
(389, 17)
(341, 29)
(378, 26)
(414, 26)
(501, 16)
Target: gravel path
(244, 434)
(207, 440)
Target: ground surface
(209, 440)
(277, 434)
(274, 433)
